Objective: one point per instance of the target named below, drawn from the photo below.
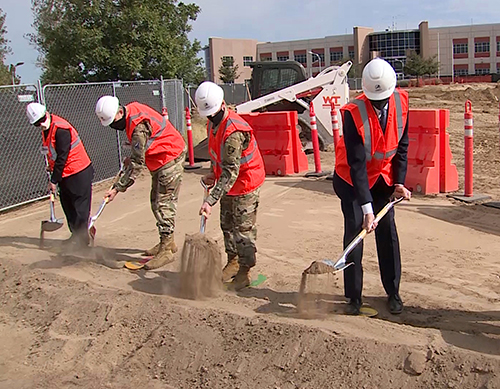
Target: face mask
(41, 121)
(379, 104)
(217, 118)
(119, 124)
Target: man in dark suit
(370, 167)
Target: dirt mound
(59, 333)
(201, 268)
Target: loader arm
(332, 75)
(333, 86)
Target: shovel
(328, 266)
(53, 223)
(91, 228)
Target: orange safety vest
(252, 173)
(78, 158)
(380, 148)
(165, 143)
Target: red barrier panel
(278, 140)
(429, 156)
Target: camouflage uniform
(238, 214)
(166, 181)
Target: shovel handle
(342, 260)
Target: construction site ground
(84, 321)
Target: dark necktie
(383, 119)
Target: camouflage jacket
(140, 137)
(230, 163)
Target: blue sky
(279, 20)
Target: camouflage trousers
(238, 217)
(166, 184)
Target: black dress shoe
(395, 304)
(353, 307)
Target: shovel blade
(50, 226)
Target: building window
(336, 56)
(282, 58)
(460, 72)
(394, 44)
(498, 68)
(247, 60)
(482, 47)
(482, 71)
(351, 52)
(302, 58)
(266, 57)
(498, 46)
(315, 57)
(460, 48)
(228, 59)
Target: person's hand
(111, 194)
(206, 209)
(209, 180)
(369, 222)
(401, 191)
(52, 188)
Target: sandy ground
(69, 321)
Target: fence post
(315, 141)
(120, 157)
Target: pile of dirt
(60, 333)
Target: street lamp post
(319, 59)
(13, 71)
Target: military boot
(231, 268)
(241, 279)
(154, 250)
(165, 253)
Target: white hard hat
(208, 98)
(106, 109)
(379, 79)
(35, 111)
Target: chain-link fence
(234, 94)
(354, 83)
(23, 175)
(22, 171)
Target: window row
(229, 59)
(464, 71)
(479, 47)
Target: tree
(107, 40)
(228, 71)
(419, 67)
(5, 77)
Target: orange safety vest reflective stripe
(78, 158)
(380, 148)
(252, 173)
(165, 143)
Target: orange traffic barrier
(278, 140)
(430, 170)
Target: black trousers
(386, 238)
(76, 198)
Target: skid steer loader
(284, 86)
